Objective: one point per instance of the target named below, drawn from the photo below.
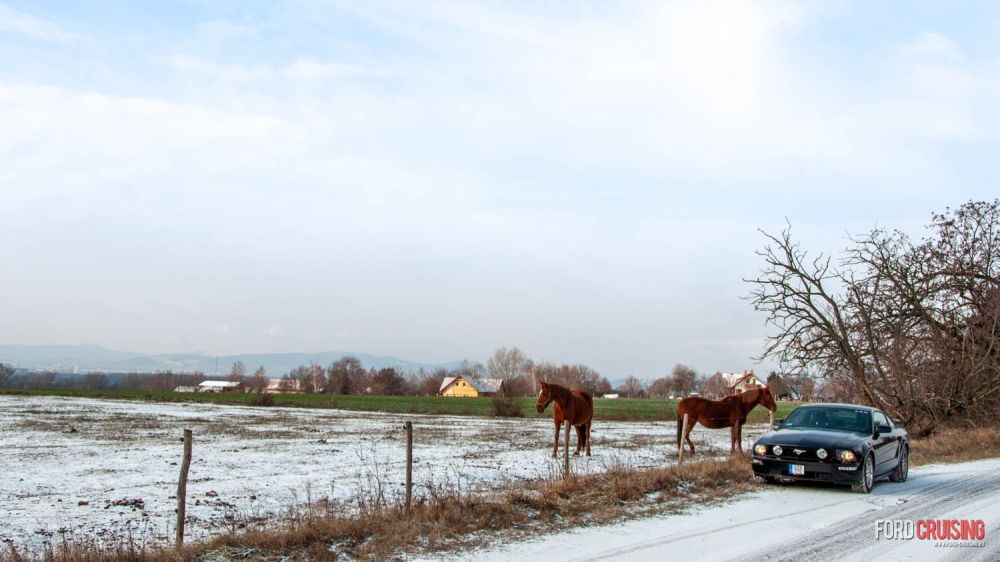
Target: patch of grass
(956, 445)
(619, 409)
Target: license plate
(796, 469)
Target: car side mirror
(777, 423)
(881, 428)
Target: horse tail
(584, 436)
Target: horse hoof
(576, 454)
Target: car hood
(804, 437)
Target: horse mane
(746, 398)
(559, 390)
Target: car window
(842, 419)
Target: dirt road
(799, 523)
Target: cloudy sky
(436, 180)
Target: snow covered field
(100, 468)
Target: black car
(838, 443)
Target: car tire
(903, 467)
(867, 481)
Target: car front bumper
(835, 472)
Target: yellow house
(461, 386)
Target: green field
(606, 409)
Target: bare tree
(6, 375)
(910, 327)
(777, 383)
(345, 376)
(632, 387)
(661, 387)
(237, 372)
(604, 386)
(683, 379)
(716, 386)
(259, 382)
(513, 367)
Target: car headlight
(777, 450)
(821, 453)
(846, 456)
(760, 449)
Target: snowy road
(810, 522)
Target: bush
(261, 399)
(506, 406)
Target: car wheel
(903, 468)
(867, 481)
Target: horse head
(544, 397)
(766, 399)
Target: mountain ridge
(90, 357)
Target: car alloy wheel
(903, 468)
(867, 477)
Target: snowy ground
(800, 522)
(100, 468)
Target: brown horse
(729, 412)
(574, 406)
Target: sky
(435, 180)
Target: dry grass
(956, 445)
(375, 526)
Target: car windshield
(841, 419)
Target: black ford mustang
(839, 443)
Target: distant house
(186, 389)
(462, 386)
(742, 382)
(284, 386)
(220, 386)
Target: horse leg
(687, 435)
(739, 436)
(579, 439)
(587, 440)
(555, 445)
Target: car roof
(838, 405)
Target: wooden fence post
(409, 463)
(680, 445)
(182, 488)
(770, 420)
(566, 456)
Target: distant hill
(96, 358)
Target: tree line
(349, 376)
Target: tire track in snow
(855, 537)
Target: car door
(885, 445)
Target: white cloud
(26, 24)
(303, 69)
(232, 72)
(220, 30)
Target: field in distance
(621, 409)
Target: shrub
(261, 399)
(506, 406)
